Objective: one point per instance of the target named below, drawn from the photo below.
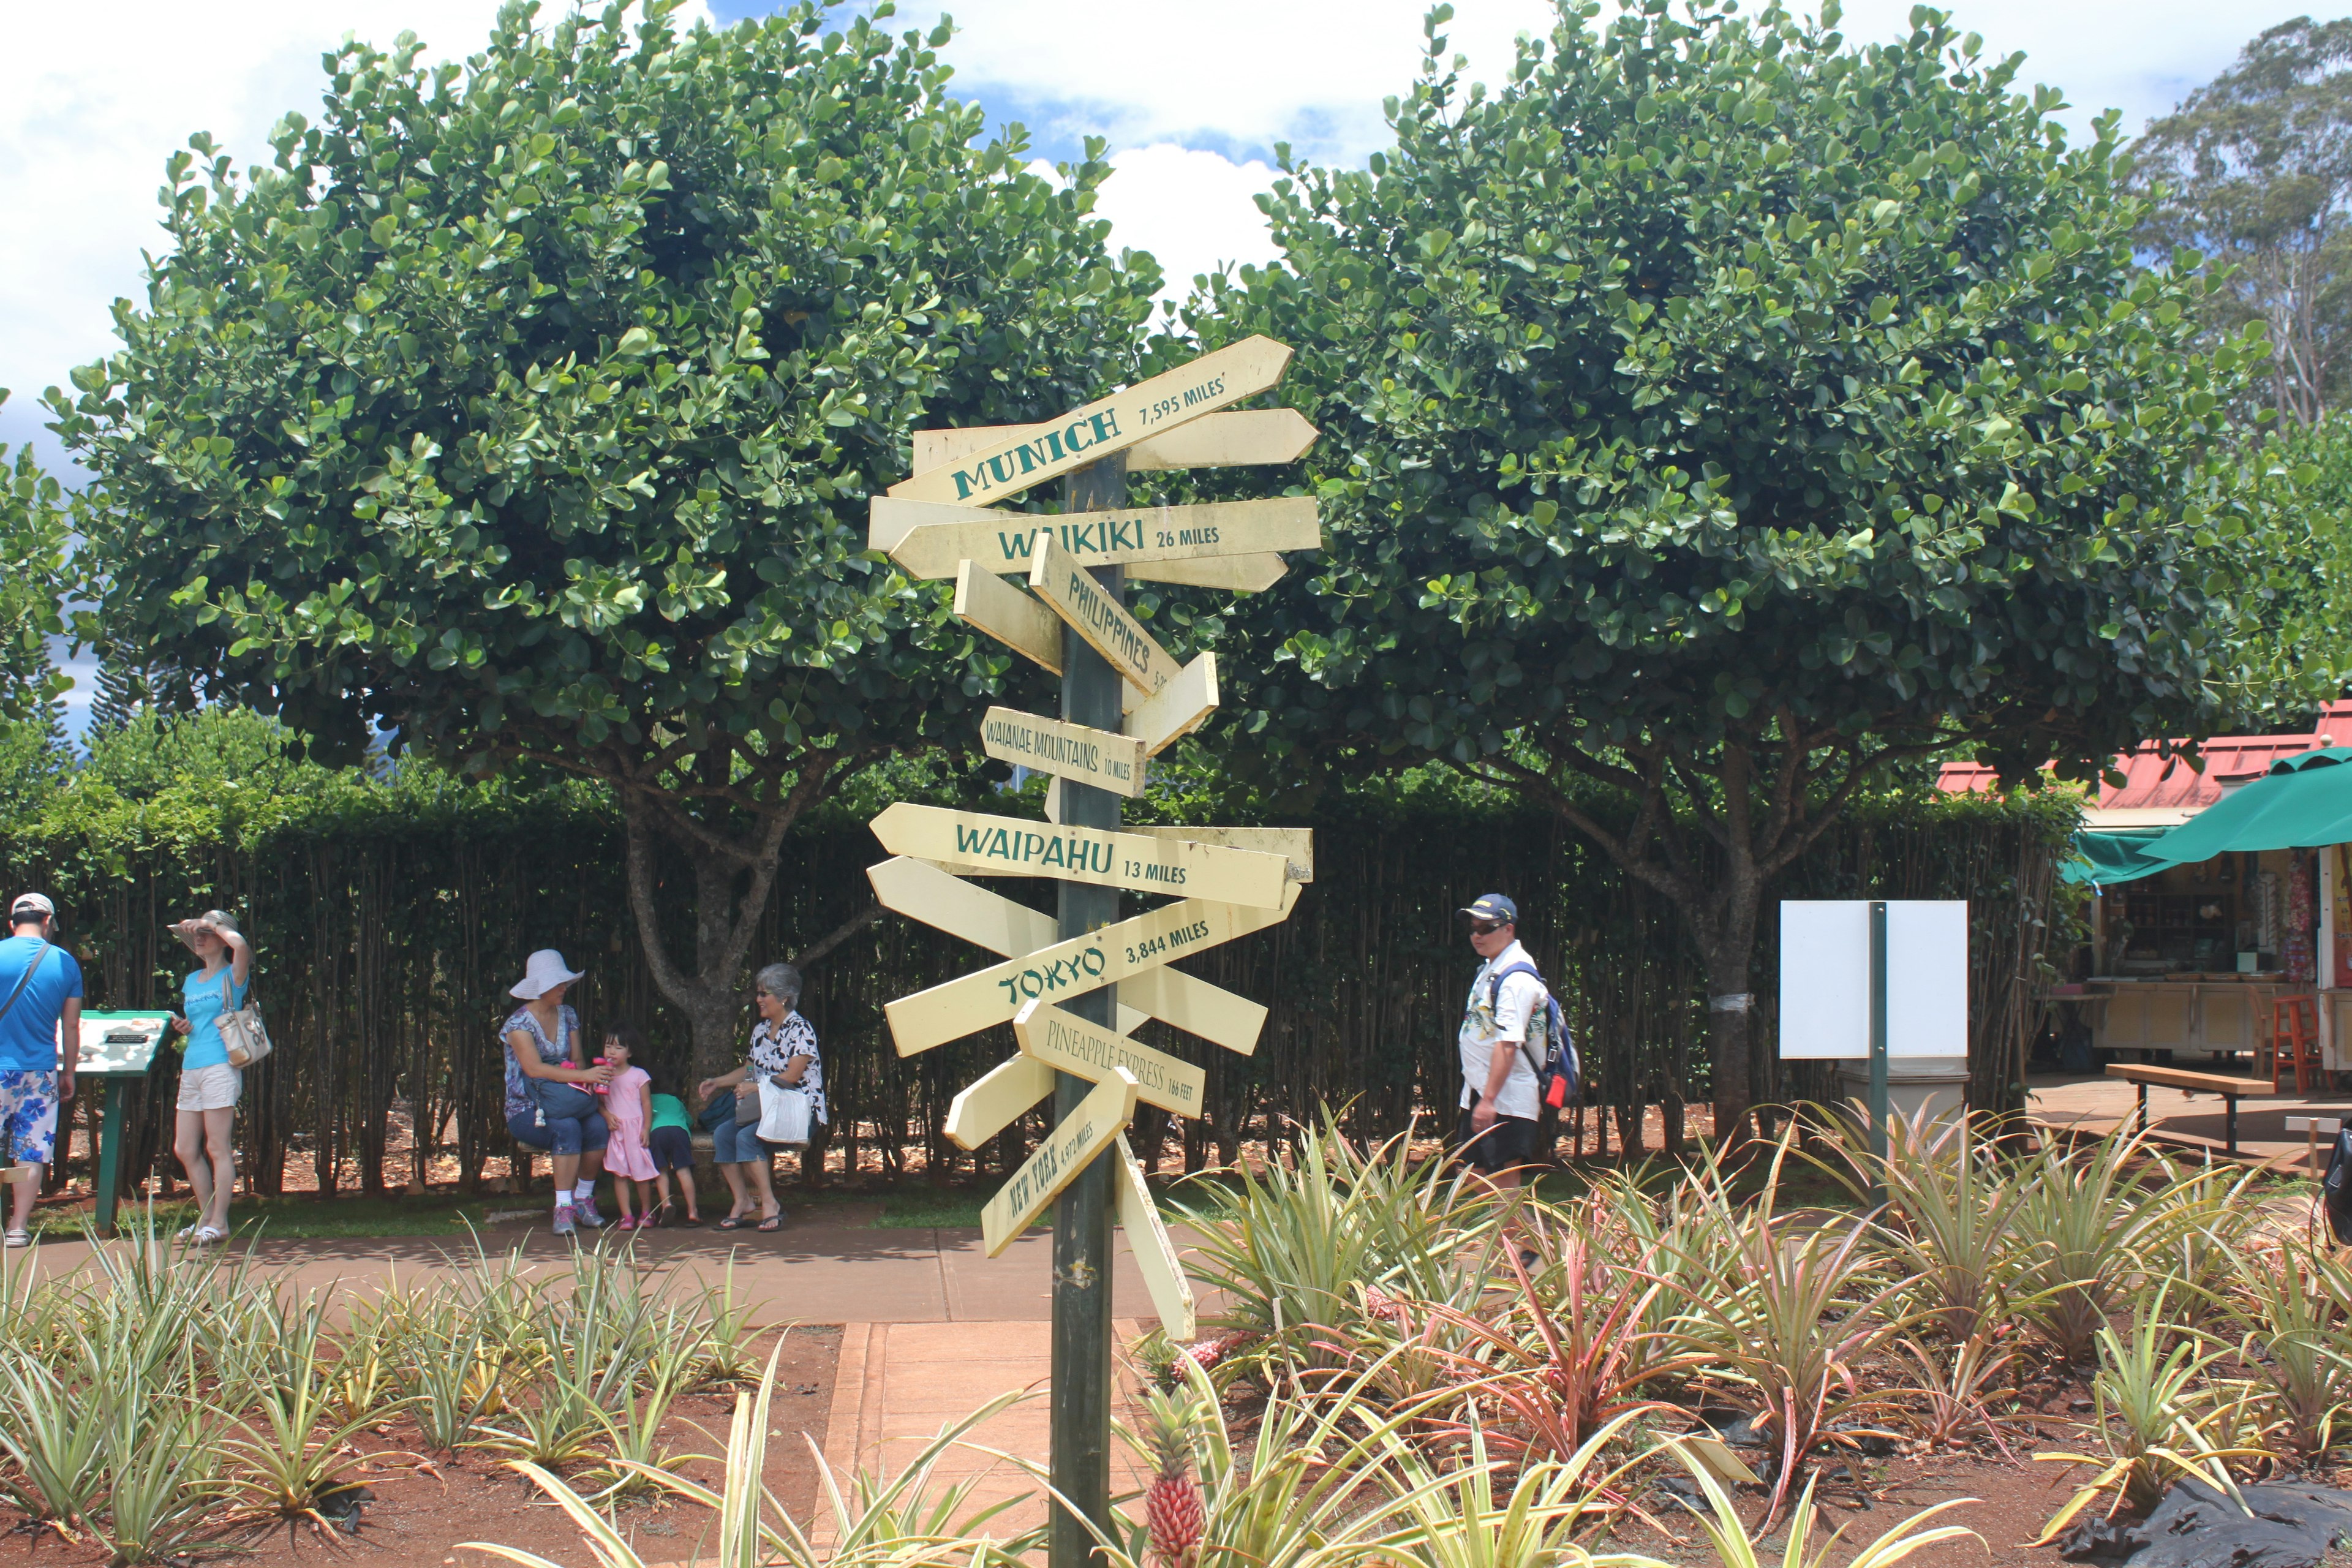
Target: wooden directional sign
(1177, 708)
(1089, 434)
(1014, 845)
(986, 1106)
(1251, 573)
(930, 538)
(1094, 612)
(1155, 1253)
(921, 891)
(1195, 1006)
(1092, 1126)
(1097, 757)
(1225, 440)
(1296, 844)
(1071, 968)
(1062, 1039)
(986, 601)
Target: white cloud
(1193, 210)
(93, 98)
(1239, 74)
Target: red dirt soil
(421, 1510)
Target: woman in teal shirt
(209, 1085)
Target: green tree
(1727, 416)
(37, 545)
(529, 408)
(2255, 168)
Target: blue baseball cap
(1493, 906)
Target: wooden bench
(2231, 1089)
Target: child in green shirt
(671, 1142)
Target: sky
(1193, 95)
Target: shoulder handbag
(241, 1029)
(25, 979)
(783, 1114)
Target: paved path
(815, 1271)
(897, 1384)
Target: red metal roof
(2153, 781)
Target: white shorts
(211, 1088)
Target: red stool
(2293, 1044)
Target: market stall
(2200, 930)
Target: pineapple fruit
(1173, 1512)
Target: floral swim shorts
(28, 1115)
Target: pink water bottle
(600, 1087)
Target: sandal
(17, 1238)
(731, 1222)
(774, 1222)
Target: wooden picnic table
(2232, 1088)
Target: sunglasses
(1485, 928)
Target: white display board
(1825, 978)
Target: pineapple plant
(1174, 1514)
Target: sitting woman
(549, 1105)
(783, 1052)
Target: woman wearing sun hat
(549, 1105)
(210, 1085)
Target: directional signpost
(1075, 985)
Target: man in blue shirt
(40, 987)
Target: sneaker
(624, 1223)
(17, 1238)
(564, 1216)
(584, 1211)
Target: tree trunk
(730, 893)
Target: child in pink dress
(628, 1112)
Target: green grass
(299, 1217)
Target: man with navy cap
(1500, 1095)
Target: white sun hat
(543, 971)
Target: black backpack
(2335, 1188)
(1558, 1076)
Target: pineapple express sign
(1111, 425)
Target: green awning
(2303, 802)
(2108, 856)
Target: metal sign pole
(1080, 1447)
(1878, 1111)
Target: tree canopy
(1723, 412)
(36, 542)
(2255, 168)
(529, 407)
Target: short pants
(28, 1115)
(216, 1087)
(671, 1147)
(564, 1135)
(1509, 1144)
(736, 1143)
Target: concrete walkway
(2194, 1122)
(815, 1271)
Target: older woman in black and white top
(784, 1051)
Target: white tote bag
(783, 1114)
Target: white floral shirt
(773, 1047)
